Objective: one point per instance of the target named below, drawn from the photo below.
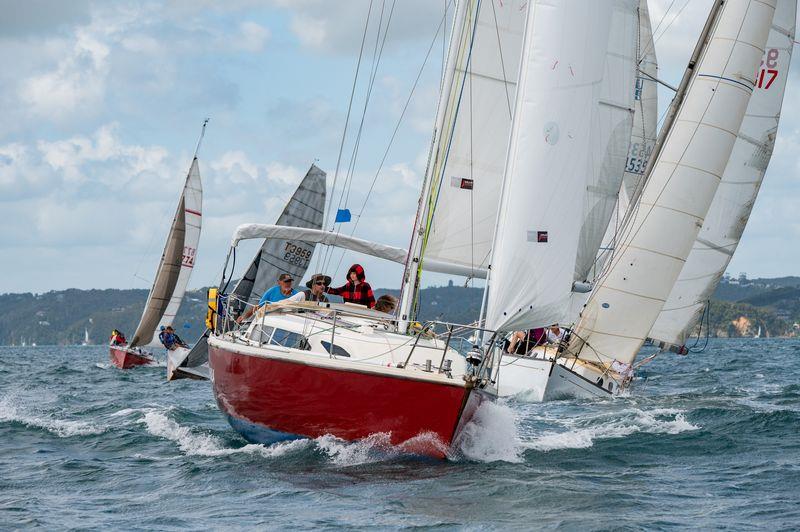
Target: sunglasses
(320, 283)
(288, 281)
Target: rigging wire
(347, 116)
(396, 128)
(345, 193)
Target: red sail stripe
(193, 212)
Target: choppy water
(708, 441)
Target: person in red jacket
(357, 289)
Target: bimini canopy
(375, 249)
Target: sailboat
(687, 165)
(86, 337)
(305, 209)
(172, 275)
(309, 369)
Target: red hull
(123, 358)
(269, 399)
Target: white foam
(193, 443)
(10, 411)
(490, 436)
(607, 426)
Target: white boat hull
(174, 359)
(539, 379)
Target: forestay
(679, 191)
(470, 149)
(730, 209)
(176, 263)
(569, 139)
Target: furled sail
(723, 226)
(679, 191)
(569, 139)
(276, 256)
(176, 264)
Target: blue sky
(103, 103)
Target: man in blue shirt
(279, 292)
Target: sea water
(711, 440)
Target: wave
(490, 436)
(624, 424)
(199, 444)
(12, 412)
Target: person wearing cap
(279, 292)
(316, 289)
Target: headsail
(176, 264)
(304, 209)
(679, 191)
(570, 136)
(736, 195)
(459, 200)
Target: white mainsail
(736, 195)
(680, 188)
(570, 136)
(460, 196)
(176, 264)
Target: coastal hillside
(739, 309)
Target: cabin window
(335, 350)
(289, 339)
(261, 334)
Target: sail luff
(723, 226)
(679, 191)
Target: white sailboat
(727, 217)
(86, 337)
(172, 276)
(276, 256)
(690, 160)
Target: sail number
(188, 257)
(768, 70)
(297, 255)
(638, 156)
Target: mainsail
(570, 136)
(459, 200)
(176, 264)
(736, 195)
(304, 209)
(679, 191)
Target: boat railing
(450, 337)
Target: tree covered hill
(740, 307)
